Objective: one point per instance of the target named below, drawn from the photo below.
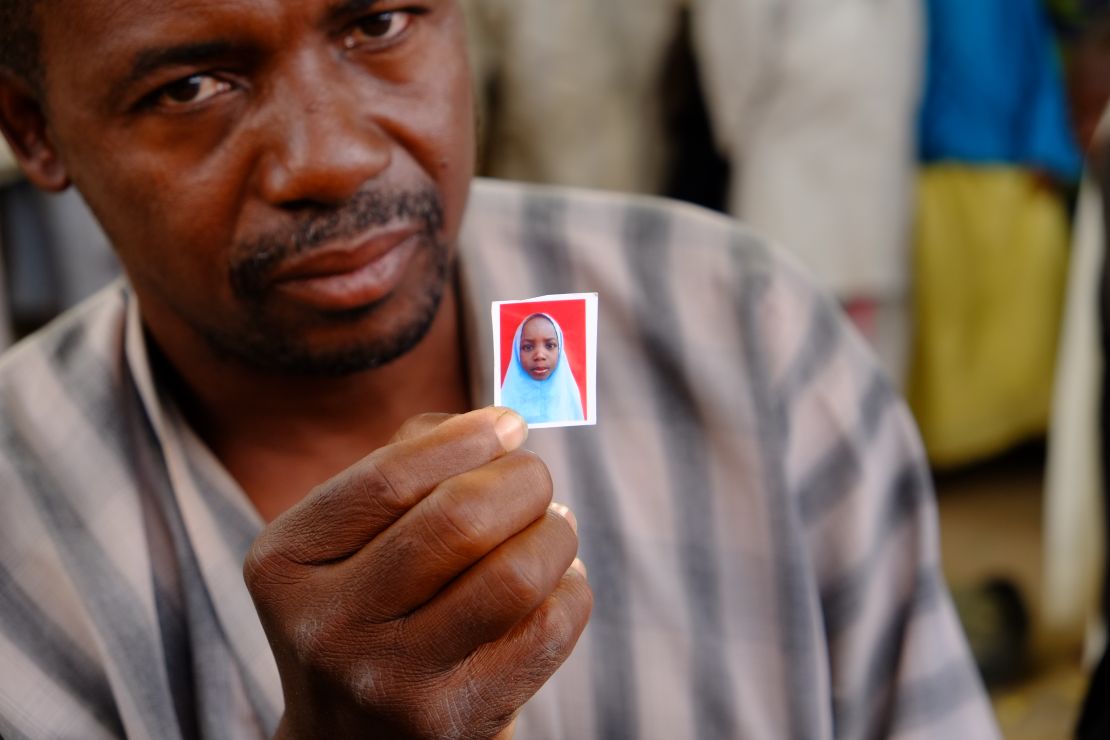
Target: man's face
(539, 348)
(282, 178)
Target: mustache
(253, 260)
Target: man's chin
(287, 341)
(335, 363)
(353, 341)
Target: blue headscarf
(553, 399)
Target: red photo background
(571, 316)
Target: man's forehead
(121, 13)
(106, 45)
(118, 25)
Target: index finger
(340, 516)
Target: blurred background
(936, 164)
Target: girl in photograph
(539, 384)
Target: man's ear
(23, 122)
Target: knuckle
(535, 470)
(517, 585)
(362, 492)
(309, 638)
(474, 709)
(266, 568)
(374, 685)
(345, 651)
(556, 631)
(566, 538)
(524, 476)
(579, 600)
(375, 489)
(457, 519)
(559, 542)
(254, 565)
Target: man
(285, 184)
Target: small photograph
(545, 350)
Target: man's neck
(280, 436)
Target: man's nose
(323, 143)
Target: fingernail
(510, 429)
(566, 513)
(580, 567)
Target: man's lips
(351, 274)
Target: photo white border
(591, 354)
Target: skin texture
(283, 182)
(539, 348)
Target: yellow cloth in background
(989, 269)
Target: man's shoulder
(86, 336)
(610, 238)
(508, 207)
(64, 378)
(63, 404)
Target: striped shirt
(754, 509)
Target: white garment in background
(1074, 537)
(812, 101)
(815, 104)
(569, 90)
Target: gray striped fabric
(754, 509)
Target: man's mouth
(351, 274)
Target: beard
(268, 343)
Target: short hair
(19, 39)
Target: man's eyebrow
(347, 8)
(150, 60)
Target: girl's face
(539, 348)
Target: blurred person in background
(1077, 510)
(991, 238)
(990, 256)
(1095, 720)
(810, 105)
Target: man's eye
(379, 27)
(191, 90)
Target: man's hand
(428, 591)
